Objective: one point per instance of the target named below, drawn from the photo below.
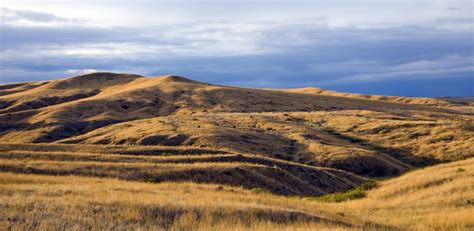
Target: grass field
(119, 151)
(432, 198)
(158, 164)
(372, 136)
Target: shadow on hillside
(13, 106)
(403, 155)
(55, 131)
(9, 89)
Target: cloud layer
(314, 50)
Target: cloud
(28, 17)
(445, 67)
(81, 72)
(403, 74)
(249, 53)
(353, 13)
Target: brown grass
(363, 142)
(373, 136)
(120, 151)
(273, 175)
(431, 198)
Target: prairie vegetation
(273, 175)
(431, 198)
(120, 151)
(369, 136)
(363, 142)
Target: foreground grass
(431, 198)
(70, 202)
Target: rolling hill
(367, 136)
(282, 149)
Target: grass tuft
(259, 190)
(356, 193)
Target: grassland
(431, 198)
(159, 164)
(369, 136)
(121, 151)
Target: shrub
(352, 194)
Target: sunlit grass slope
(123, 151)
(168, 164)
(372, 136)
(437, 197)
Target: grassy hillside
(165, 164)
(398, 99)
(122, 151)
(370, 136)
(103, 97)
(432, 198)
(363, 142)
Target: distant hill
(398, 99)
(461, 100)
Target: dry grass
(105, 97)
(437, 197)
(431, 198)
(363, 142)
(119, 151)
(75, 202)
(396, 99)
(373, 136)
(141, 164)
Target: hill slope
(434, 198)
(371, 136)
(132, 152)
(160, 164)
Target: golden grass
(363, 142)
(438, 197)
(374, 136)
(126, 97)
(397, 99)
(110, 149)
(431, 198)
(102, 203)
(241, 144)
(151, 164)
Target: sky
(403, 47)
